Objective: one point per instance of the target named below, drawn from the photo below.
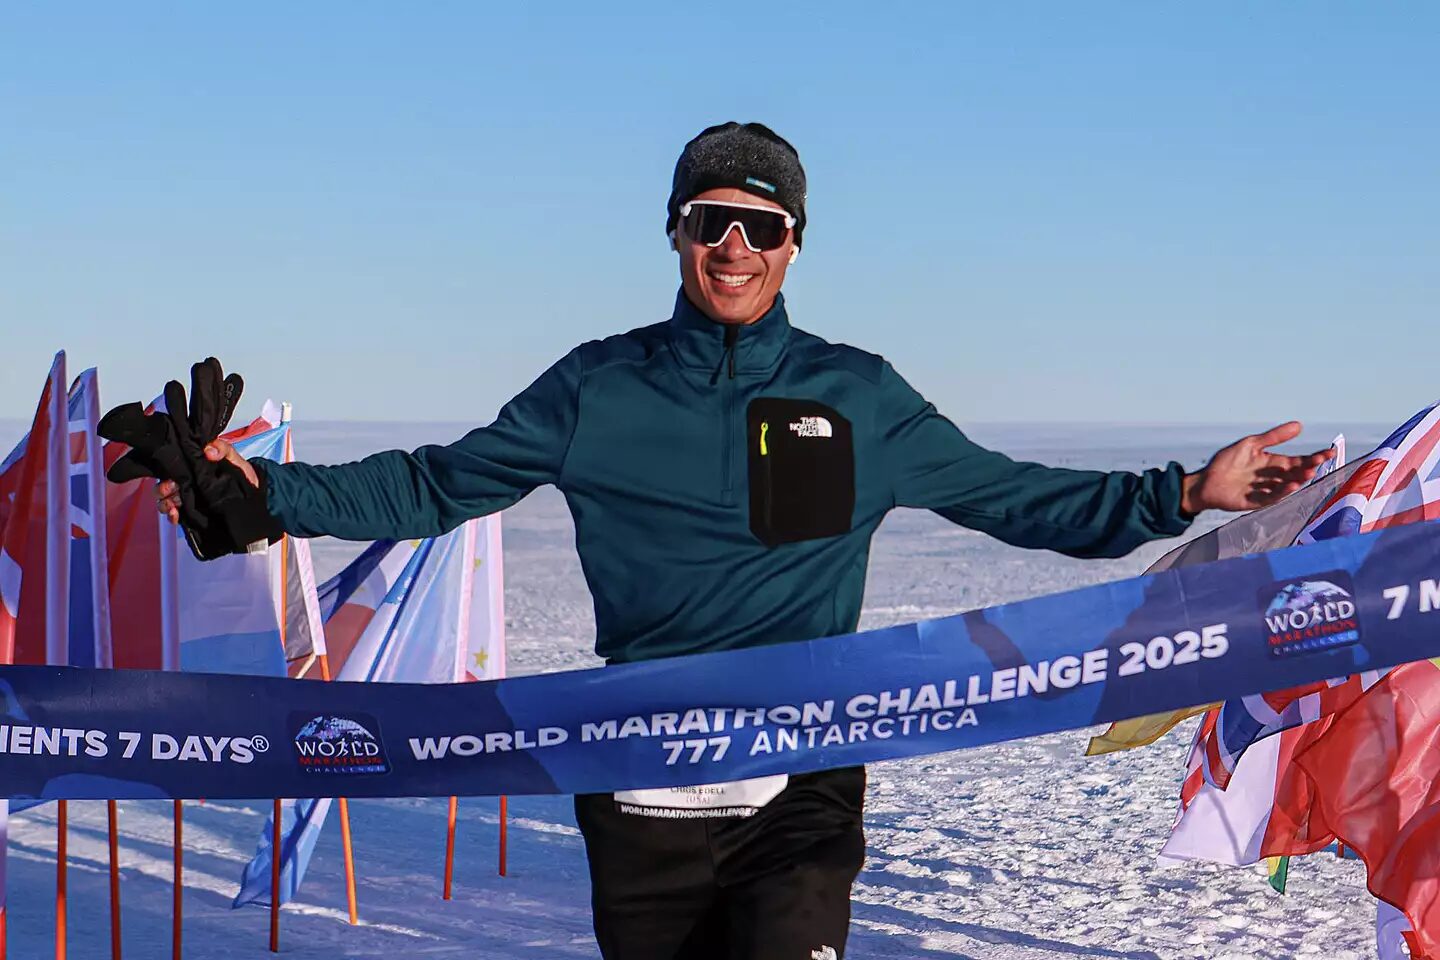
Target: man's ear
(794, 254)
(671, 235)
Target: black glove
(221, 512)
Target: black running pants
(771, 886)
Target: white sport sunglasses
(710, 222)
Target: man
(726, 472)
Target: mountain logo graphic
(1310, 615)
(333, 745)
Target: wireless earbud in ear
(794, 253)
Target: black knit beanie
(746, 156)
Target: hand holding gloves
(221, 510)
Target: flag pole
(462, 650)
(61, 836)
(450, 849)
(170, 660)
(504, 833)
(497, 624)
(102, 638)
(178, 901)
(113, 815)
(276, 809)
(57, 600)
(275, 879)
(350, 899)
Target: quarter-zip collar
(700, 343)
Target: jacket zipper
(727, 406)
(769, 493)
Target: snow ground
(1022, 851)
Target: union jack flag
(89, 644)
(1236, 725)
(1399, 482)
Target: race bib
(740, 798)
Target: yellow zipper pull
(764, 429)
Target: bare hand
(1246, 476)
(167, 494)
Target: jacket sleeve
(399, 495)
(1082, 513)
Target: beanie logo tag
(751, 181)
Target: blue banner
(1186, 636)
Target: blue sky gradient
(1038, 211)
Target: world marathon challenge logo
(329, 744)
(1310, 615)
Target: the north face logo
(824, 953)
(812, 427)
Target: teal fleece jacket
(725, 482)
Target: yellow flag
(1129, 734)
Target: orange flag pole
(113, 815)
(179, 880)
(350, 898)
(349, 862)
(504, 833)
(61, 831)
(450, 849)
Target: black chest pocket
(802, 470)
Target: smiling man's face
(731, 283)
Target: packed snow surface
(1023, 850)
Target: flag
(412, 611)
(1397, 482)
(1141, 731)
(227, 612)
(1263, 811)
(1376, 776)
(292, 575)
(34, 548)
(134, 531)
(484, 657)
(35, 534)
(170, 611)
(1357, 758)
(89, 627)
(72, 571)
(1224, 826)
(1393, 935)
(1278, 871)
(1244, 722)
(351, 600)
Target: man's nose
(733, 246)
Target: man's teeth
(733, 279)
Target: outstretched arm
(399, 495)
(1082, 513)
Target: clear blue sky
(1055, 211)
